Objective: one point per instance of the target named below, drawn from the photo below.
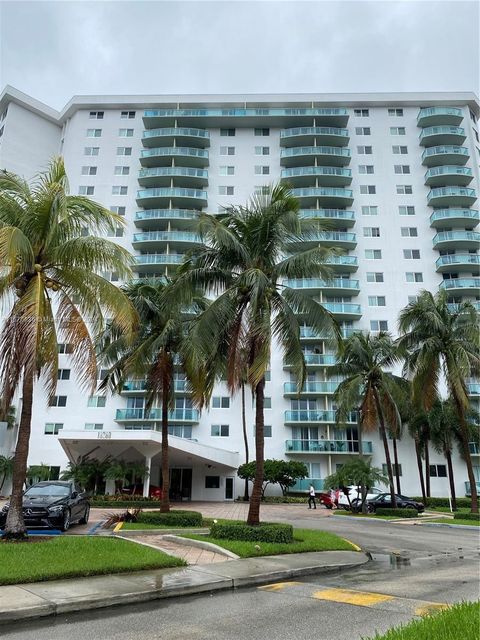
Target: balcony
(453, 307)
(298, 156)
(137, 387)
(168, 136)
(456, 240)
(322, 417)
(327, 446)
(445, 155)
(431, 136)
(160, 218)
(468, 491)
(163, 176)
(157, 262)
(326, 196)
(151, 239)
(308, 333)
(300, 136)
(451, 175)
(334, 286)
(467, 286)
(316, 361)
(178, 196)
(473, 389)
(342, 239)
(183, 156)
(432, 116)
(177, 415)
(330, 216)
(343, 310)
(459, 262)
(310, 388)
(455, 196)
(304, 485)
(305, 176)
(343, 263)
(454, 218)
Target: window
(438, 471)
(52, 428)
(117, 233)
(121, 171)
(370, 211)
(373, 254)
(397, 131)
(227, 132)
(64, 347)
(397, 149)
(93, 426)
(411, 254)
(362, 131)
(111, 276)
(371, 232)
(226, 170)
(365, 168)
(406, 210)
(261, 132)
(124, 151)
(374, 276)
(91, 151)
(261, 190)
(261, 170)
(376, 301)
(394, 468)
(227, 151)
(267, 402)
(119, 190)
(127, 115)
(120, 211)
(401, 168)
(96, 401)
(414, 276)
(395, 112)
(267, 431)
(224, 190)
(89, 171)
(412, 299)
(220, 402)
(212, 482)
(368, 189)
(262, 151)
(125, 133)
(96, 115)
(181, 431)
(86, 190)
(404, 189)
(378, 325)
(409, 232)
(102, 374)
(94, 133)
(220, 430)
(58, 401)
(63, 374)
(364, 151)
(361, 113)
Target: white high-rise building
(395, 175)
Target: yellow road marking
(346, 596)
(431, 607)
(278, 586)
(355, 546)
(118, 526)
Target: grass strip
(460, 621)
(371, 516)
(75, 556)
(470, 523)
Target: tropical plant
(117, 471)
(37, 472)
(244, 260)
(441, 343)
(363, 361)
(285, 473)
(137, 472)
(356, 472)
(6, 469)
(419, 430)
(52, 268)
(88, 472)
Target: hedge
(174, 518)
(281, 499)
(124, 504)
(264, 532)
(462, 503)
(399, 513)
(466, 516)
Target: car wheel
(86, 515)
(370, 509)
(66, 520)
(356, 504)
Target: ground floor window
(438, 471)
(212, 482)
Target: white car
(355, 498)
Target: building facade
(394, 176)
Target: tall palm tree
(6, 469)
(245, 258)
(441, 343)
(363, 363)
(45, 265)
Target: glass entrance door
(229, 484)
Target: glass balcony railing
(185, 415)
(453, 307)
(347, 308)
(460, 259)
(173, 192)
(174, 151)
(315, 151)
(166, 214)
(140, 385)
(434, 115)
(457, 236)
(343, 261)
(309, 332)
(313, 131)
(324, 192)
(166, 236)
(316, 172)
(239, 112)
(461, 283)
(318, 359)
(185, 132)
(454, 214)
(474, 448)
(468, 491)
(311, 387)
(317, 416)
(452, 194)
(447, 172)
(327, 446)
(304, 484)
(334, 214)
(473, 389)
(315, 283)
(330, 236)
(441, 130)
(160, 258)
(450, 153)
(173, 172)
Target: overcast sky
(53, 50)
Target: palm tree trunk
(427, 468)
(15, 525)
(420, 470)
(397, 466)
(451, 480)
(383, 434)
(253, 517)
(165, 505)
(245, 440)
(464, 441)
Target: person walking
(311, 497)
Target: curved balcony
(328, 446)
(159, 218)
(163, 177)
(473, 389)
(305, 176)
(343, 310)
(327, 196)
(456, 240)
(137, 387)
(453, 306)
(300, 136)
(298, 156)
(454, 218)
(455, 196)
(445, 155)
(343, 263)
(151, 239)
(177, 196)
(330, 216)
(335, 286)
(315, 361)
(310, 388)
(322, 417)
(157, 262)
(183, 156)
(459, 262)
(154, 415)
(432, 116)
(431, 136)
(468, 286)
(168, 136)
(451, 175)
(342, 239)
(309, 334)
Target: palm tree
(363, 361)
(46, 263)
(244, 260)
(442, 343)
(117, 471)
(6, 469)
(419, 430)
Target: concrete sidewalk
(35, 600)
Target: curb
(203, 544)
(450, 526)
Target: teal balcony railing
(454, 214)
(315, 151)
(185, 132)
(160, 258)
(448, 171)
(342, 308)
(441, 130)
(461, 283)
(319, 359)
(320, 387)
(456, 236)
(315, 283)
(461, 259)
(473, 388)
(317, 416)
(166, 214)
(343, 261)
(333, 172)
(452, 194)
(327, 446)
(184, 415)
(174, 151)
(314, 131)
(166, 236)
(304, 485)
(468, 491)
(334, 214)
(474, 448)
(454, 306)
(332, 236)
(446, 150)
(309, 332)
(173, 172)
(444, 114)
(239, 112)
(141, 385)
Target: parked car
(355, 498)
(403, 502)
(325, 499)
(56, 505)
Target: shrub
(462, 503)
(466, 516)
(174, 518)
(399, 513)
(264, 532)
(124, 504)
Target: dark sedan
(384, 500)
(56, 505)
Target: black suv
(52, 504)
(384, 500)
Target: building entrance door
(180, 484)
(229, 484)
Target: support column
(146, 479)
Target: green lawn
(459, 622)
(74, 556)
(471, 523)
(365, 515)
(447, 509)
(305, 540)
